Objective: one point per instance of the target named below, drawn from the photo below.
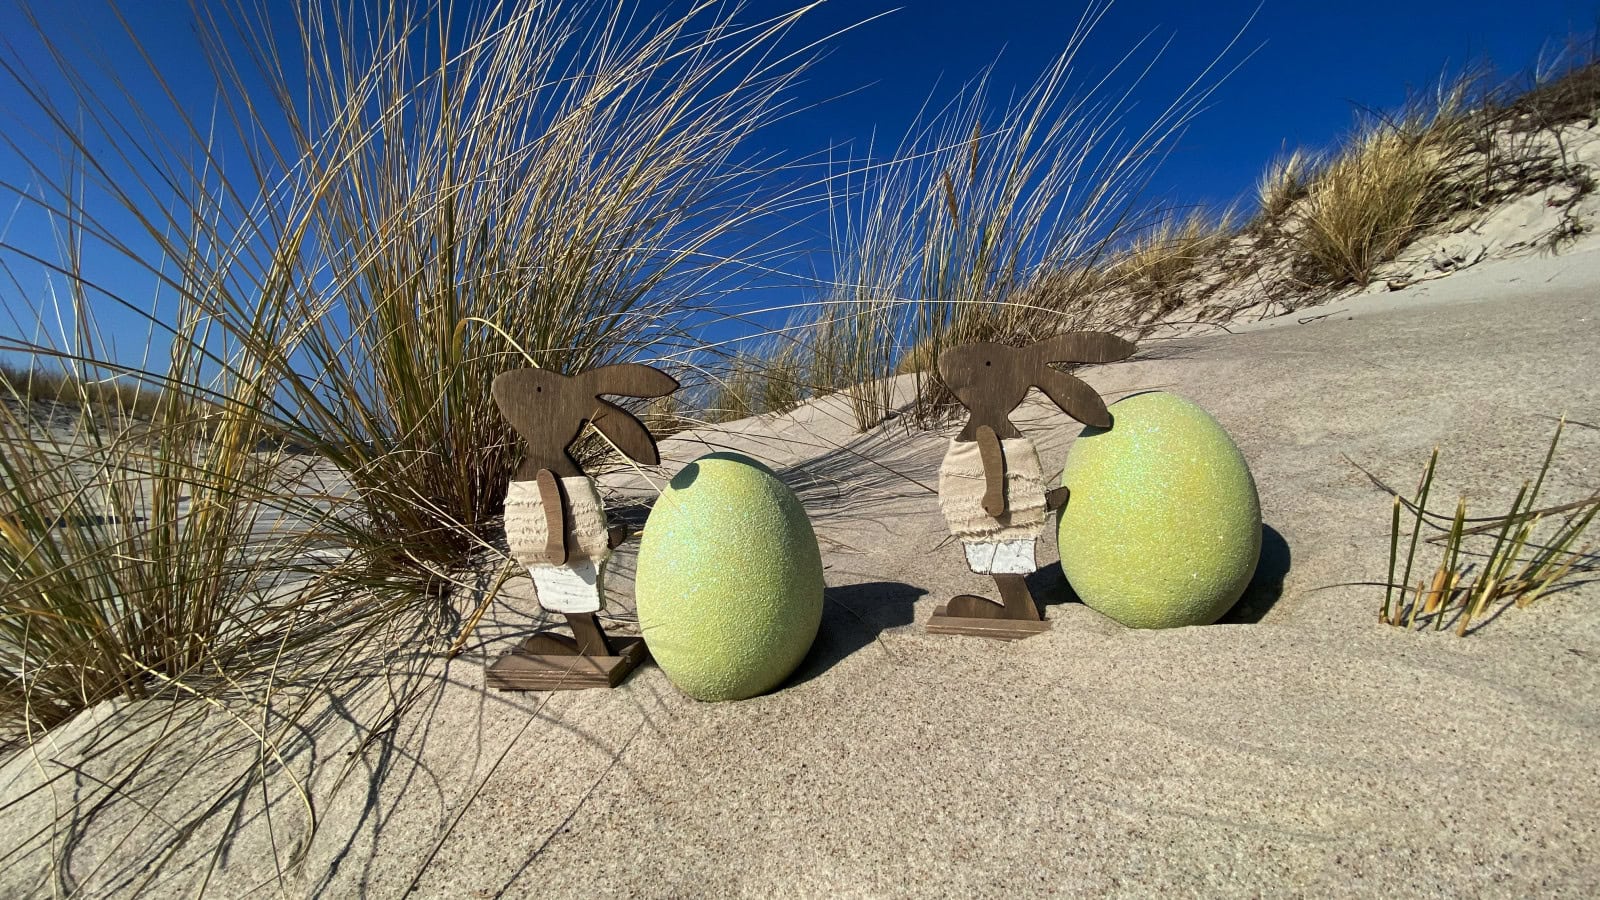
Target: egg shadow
(1051, 588)
(853, 615)
(1266, 586)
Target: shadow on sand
(853, 616)
(1266, 587)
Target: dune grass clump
(155, 556)
(1285, 182)
(855, 348)
(1522, 564)
(113, 396)
(407, 201)
(1155, 266)
(736, 390)
(338, 247)
(946, 242)
(341, 268)
(1390, 183)
(773, 377)
(784, 386)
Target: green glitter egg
(729, 585)
(1163, 526)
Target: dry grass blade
(1508, 572)
(565, 173)
(1284, 183)
(366, 226)
(958, 236)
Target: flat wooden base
(529, 667)
(1002, 629)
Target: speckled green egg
(1163, 526)
(729, 585)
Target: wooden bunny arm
(994, 471)
(617, 535)
(1056, 498)
(553, 499)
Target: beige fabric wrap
(962, 486)
(527, 530)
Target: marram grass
(1524, 563)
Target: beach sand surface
(1298, 747)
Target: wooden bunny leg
(590, 637)
(1019, 602)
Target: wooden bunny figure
(556, 523)
(991, 488)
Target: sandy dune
(1299, 747)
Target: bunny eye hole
(539, 389)
(987, 363)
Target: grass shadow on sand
(853, 616)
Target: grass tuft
(1522, 565)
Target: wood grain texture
(521, 670)
(549, 411)
(999, 629)
(994, 471)
(991, 380)
(553, 499)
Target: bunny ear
(627, 433)
(1075, 398)
(628, 380)
(1080, 347)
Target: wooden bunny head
(992, 379)
(549, 411)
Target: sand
(1298, 747)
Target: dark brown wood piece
(1018, 617)
(617, 535)
(991, 380)
(589, 636)
(531, 667)
(549, 411)
(1056, 498)
(1001, 629)
(994, 471)
(1019, 602)
(554, 501)
(971, 606)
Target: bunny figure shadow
(991, 488)
(556, 523)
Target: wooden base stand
(553, 662)
(1012, 620)
(1003, 629)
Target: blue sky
(1308, 63)
(1302, 68)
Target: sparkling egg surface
(729, 585)
(1163, 525)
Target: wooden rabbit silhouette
(991, 487)
(556, 523)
